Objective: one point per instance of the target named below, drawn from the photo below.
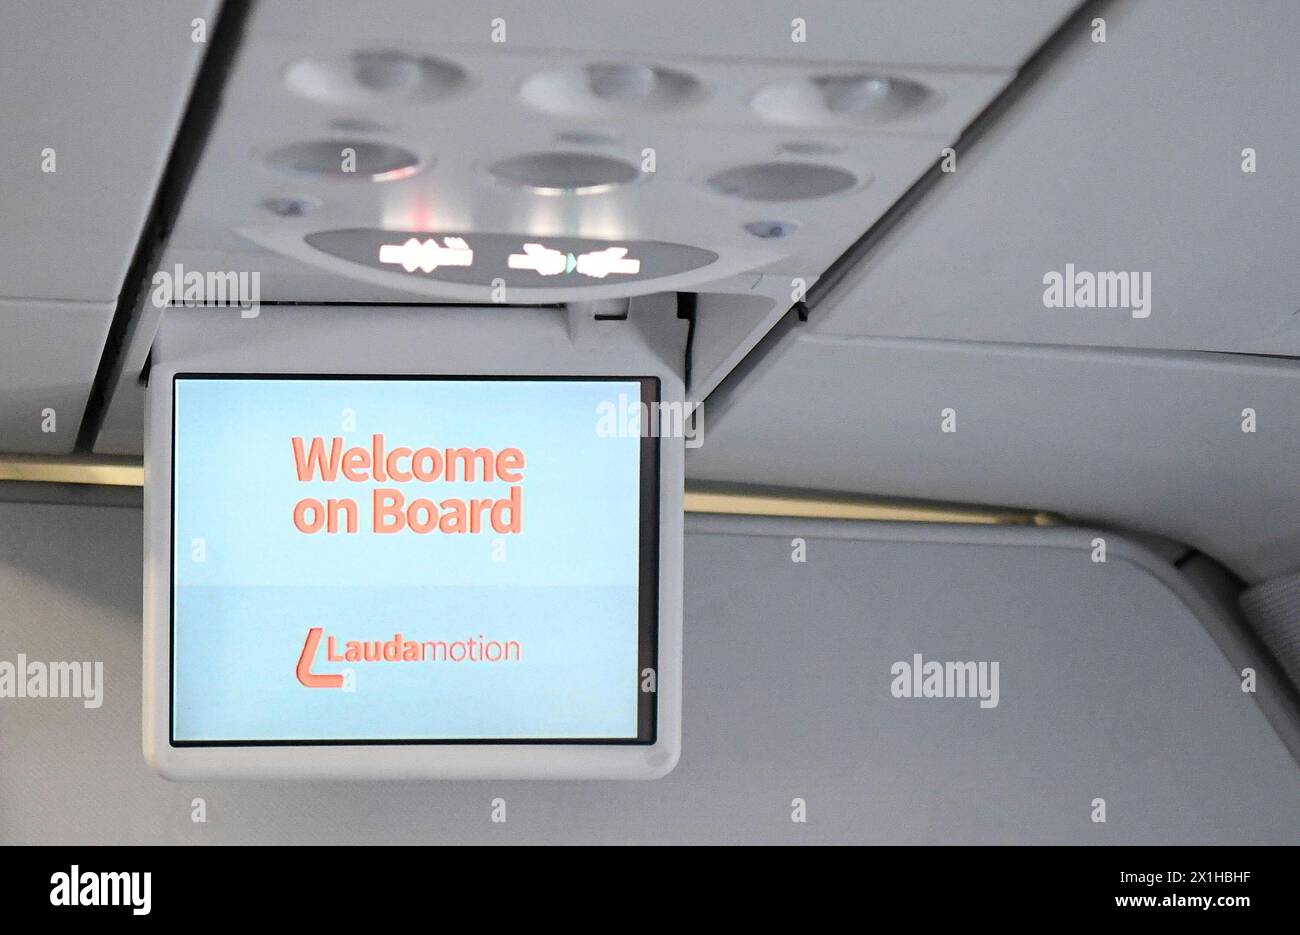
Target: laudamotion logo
(399, 649)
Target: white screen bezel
(395, 343)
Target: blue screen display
(409, 559)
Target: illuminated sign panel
(381, 560)
(514, 260)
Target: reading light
(843, 100)
(367, 161)
(781, 181)
(565, 173)
(374, 76)
(610, 89)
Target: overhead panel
(520, 157)
(506, 147)
(1200, 448)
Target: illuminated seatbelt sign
(513, 260)
(597, 263)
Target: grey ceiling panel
(1110, 685)
(93, 92)
(991, 33)
(1142, 440)
(103, 86)
(1125, 156)
(48, 355)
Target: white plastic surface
(408, 341)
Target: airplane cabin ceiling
(1122, 156)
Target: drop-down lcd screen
(412, 560)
